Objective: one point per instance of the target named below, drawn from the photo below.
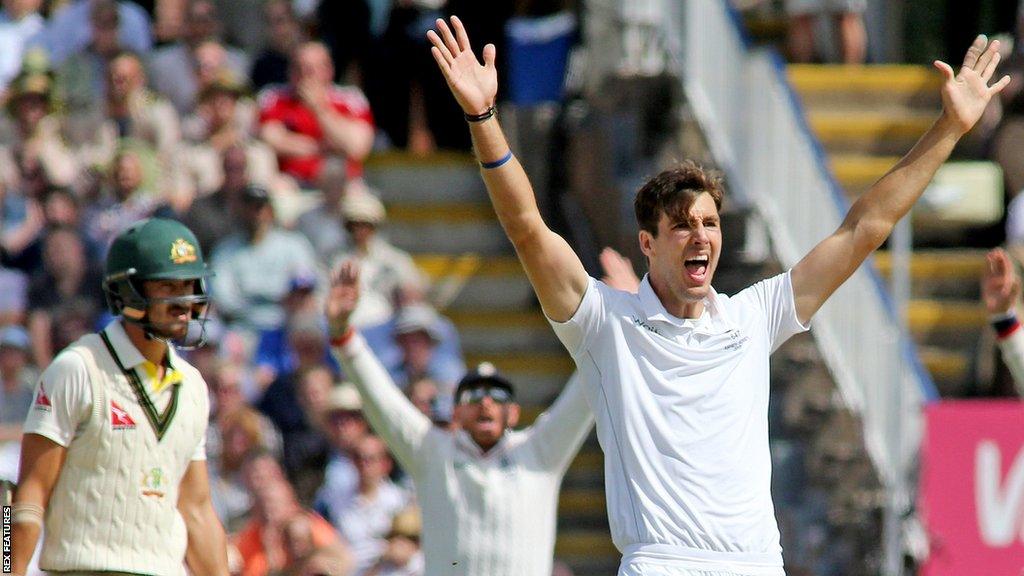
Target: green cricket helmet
(156, 249)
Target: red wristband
(339, 341)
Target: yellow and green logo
(182, 252)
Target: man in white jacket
(489, 494)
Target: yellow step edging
(555, 363)
(868, 125)
(497, 319)
(587, 543)
(439, 159)
(852, 170)
(446, 212)
(465, 265)
(889, 79)
(931, 314)
(967, 265)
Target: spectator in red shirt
(313, 117)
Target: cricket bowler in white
(677, 375)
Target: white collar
(127, 353)
(719, 321)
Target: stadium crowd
(249, 122)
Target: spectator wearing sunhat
(430, 349)
(344, 425)
(403, 556)
(34, 155)
(386, 270)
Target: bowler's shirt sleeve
(577, 333)
(63, 400)
(774, 297)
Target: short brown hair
(673, 191)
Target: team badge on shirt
(42, 401)
(154, 482)
(182, 252)
(119, 418)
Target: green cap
(157, 249)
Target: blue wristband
(497, 163)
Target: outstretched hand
(1000, 286)
(343, 297)
(618, 271)
(474, 86)
(966, 93)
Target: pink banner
(972, 488)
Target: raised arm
(1000, 291)
(392, 416)
(554, 270)
(873, 216)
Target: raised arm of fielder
(873, 216)
(389, 412)
(1000, 290)
(554, 270)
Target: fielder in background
(1000, 291)
(489, 494)
(677, 374)
(113, 459)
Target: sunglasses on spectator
(477, 395)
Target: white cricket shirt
(484, 514)
(682, 416)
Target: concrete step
(496, 331)
(894, 88)
(443, 176)
(580, 545)
(857, 172)
(940, 274)
(930, 315)
(949, 368)
(869, 132)
(424, 236)
(478, 281)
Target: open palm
(965, 95)
(342, 297)
(474, 86)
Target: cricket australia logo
(154, 482)
(182, 252)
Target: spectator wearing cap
(34, 155)
(178, 69)
(386, 270)
(365, 518)
(402, 556)
(501, 518)
(345, 427)
(324, 224)
(255, 266)
(312, 117)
